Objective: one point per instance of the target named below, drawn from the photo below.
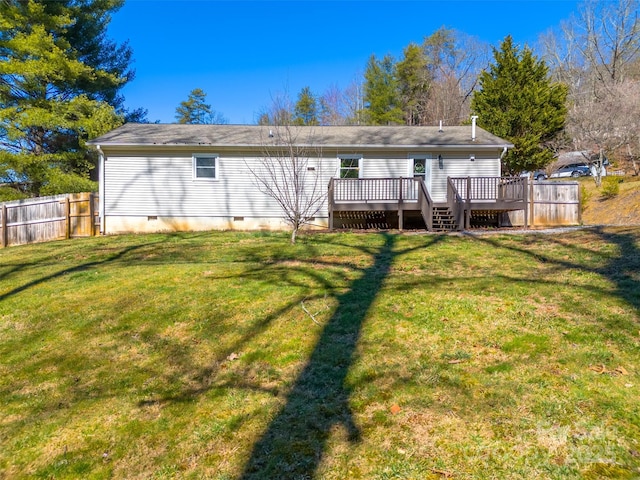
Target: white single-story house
(160, 177)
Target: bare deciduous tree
(600, 45)
(455, 62)
(290, 172)
(597, 54)
(332, 107)
(611, 33)
(354, 101)
(606, 121)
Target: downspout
(504, 152)
(101, 188)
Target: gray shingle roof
(255, 136)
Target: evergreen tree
(413, 83)
(517, 101)
(58, 73)
(306, 108)
(195, 110)
(87, 36)
(381, 93)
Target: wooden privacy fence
(48, 218)
(551, 203)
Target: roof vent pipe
(440, 129)
(473, 127)
(270, 133)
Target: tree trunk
(598, 170)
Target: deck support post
(467, 212)
(330, 203)
(400, 209)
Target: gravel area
(477, 232)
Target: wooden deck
(402, 195)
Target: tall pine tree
(306, 108)
(414, 81)
(518, 101)
(58, 88)
(381, 93)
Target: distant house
(198, 177)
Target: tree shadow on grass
(125, 255)
(624, 269)
(293, 444)
(621, 268)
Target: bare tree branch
(290, 172)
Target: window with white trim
(350, 167)
(205, 166)
(419, 167)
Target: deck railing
(373, 190)
(426, 205)
(381, 194)
(493, 193)
(490, 188)
(455, 202)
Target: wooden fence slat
(4, 226)
(48, 218)
(67, 213)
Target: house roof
(132, 134)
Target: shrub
(59, 182)
(7, 194)
(610, 187)
(585, 196)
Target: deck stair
(443, 219)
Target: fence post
(525, 192)
(67, 214)
(5, 236)
(92, 220)
(579, 203)
(532, 202)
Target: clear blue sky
(242, 54)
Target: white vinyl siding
(377, 165)
(458, 164)
(160, 185)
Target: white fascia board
(339, 147)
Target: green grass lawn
(373, 356)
